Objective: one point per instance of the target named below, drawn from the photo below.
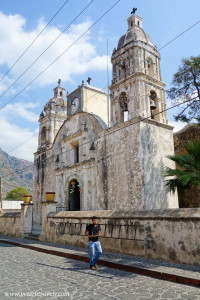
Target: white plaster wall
(157, 143)
(11, 204)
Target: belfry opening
(74, 195)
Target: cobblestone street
(28, 274)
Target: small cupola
(134, 20)
(59, 92)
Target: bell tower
(55, 113)
(137, 89)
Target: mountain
(11, 175)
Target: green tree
(186, 86)
(17, 193)
(187, 173)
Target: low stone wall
(171, 235)
(17, 224)
(11, 224)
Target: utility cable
(159, 49)
(61, 54)
(172, 39)
(179, 35)
(118, 129)
(23, 143)
(38, 132)
(34, 39)
(47, 48)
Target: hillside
(10, 164)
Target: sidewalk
(185, 274)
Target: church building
(93, 163)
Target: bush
(17, 193)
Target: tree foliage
(186, 86)
(187, 174)
(17, 193)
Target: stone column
(26, 218)
(47, 207)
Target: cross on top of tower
(134, 10)
(59, 82)
(89, 79)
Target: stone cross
(59, 82)
(89, 79)
(134, 10)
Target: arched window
(123, 101)
(119, 74)
(153, 104)
(74, 195)
(150, 67)
(43, 135)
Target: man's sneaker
(96, 266)
(92, 268)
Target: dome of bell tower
(134, 33)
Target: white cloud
(19, 110)
(81, 57)
(12, 135)
(177, 125)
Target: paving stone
(23, 270)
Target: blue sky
(22, 20)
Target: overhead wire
(163, 110)
(38, 132)
(47, 48)
(159, 49)
(34, 39)
(179, 35)
(61, 54)
(89, 142)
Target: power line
(37, 132)
(34, 40)
(159, 49)
(61, 54)
(46, 48)
(138, 121)
(180, 35)
(23, 142)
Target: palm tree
(187, 173)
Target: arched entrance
(74, 195)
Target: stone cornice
(74, 166)
(137, 120)
(126, 80)
(75, 135)
(132, 45)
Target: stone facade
(91, 166)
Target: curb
(131, 269)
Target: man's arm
(99, 234)
(87, 233)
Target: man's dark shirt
(93, 230)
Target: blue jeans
(93, 246)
